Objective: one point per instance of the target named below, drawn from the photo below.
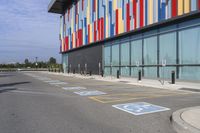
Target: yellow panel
(91, 37)
(187, 6)
(180, 7)
(114, 4)
(150, 11)
(121, 22)
(73, 40)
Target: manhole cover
(190, 89)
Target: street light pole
(36, 58)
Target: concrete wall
(90, 56)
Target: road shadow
(7, 90)
(12, 84)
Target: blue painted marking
(89, 93)
(140, 108)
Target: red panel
(66, 43)
(141, 13)
(99, 29)
(68, 13)
(135, 13)
(174, 8)
(128, 17)
(95, 34)
(102, 28)
(117, 22)
(82, 5)
(94, 5)
(81, 37)
(72, 40)
(88, 33)
(199, 4)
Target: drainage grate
(190, 89)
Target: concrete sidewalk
(155, 83)
(187, 120)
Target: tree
(52, 60)
(26, 61)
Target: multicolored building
(154, 36)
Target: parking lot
(87, 105)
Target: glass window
(166, 72)
(189, 41)
(190, 73)
(150, 72)
(125, 71)
(107, 55)
(106, 71)
(115, 55)
(65, 62)
(136, 52)
(125, 54)
(134, 71)
(168, 48)
(150, 51)
(114, 71)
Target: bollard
(55, 70)
(173, 77)
(139, 75)
(74, 71)
(68, 71)
(90, 73)
(118, 74)
(102, 73)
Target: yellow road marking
(110, 99)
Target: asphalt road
(29, 103)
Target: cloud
(27, 30)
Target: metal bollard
(173, 77)
(139, 75)
(102, 73)
(74, 71)
(90, 73)
(118, 74)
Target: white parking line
(89, 93)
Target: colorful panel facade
(93, 20)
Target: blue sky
(27, 30)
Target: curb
(180, 125)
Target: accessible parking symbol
(140, 108)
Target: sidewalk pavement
(187, 120)
(155, 83)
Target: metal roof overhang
(59, 6)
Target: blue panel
(163, 11)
